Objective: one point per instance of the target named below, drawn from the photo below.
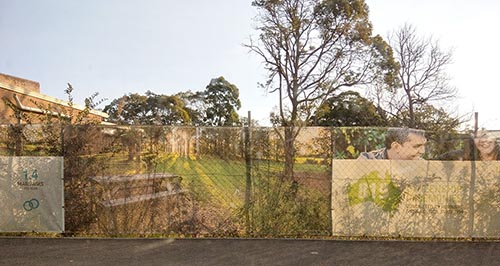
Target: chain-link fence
(187, 181)
(180, 180)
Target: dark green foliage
(149, 109)
(222, 101)
(348, 109)
(217, 105)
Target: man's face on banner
(412, 149)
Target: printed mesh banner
(31, 194)
(445, 199)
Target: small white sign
(31, 194)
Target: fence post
(330, 194)
(472, 184)
(248, 162)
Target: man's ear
(395, 145)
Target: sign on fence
(416, 198)
(31, 194)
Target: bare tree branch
(422, 72)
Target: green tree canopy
(167, 110)
(195, 106)
(222, 102)
(149, 109)
(217, 105)
(348, 109)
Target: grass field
(219, 181)
(214, 180)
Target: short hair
(400, 135)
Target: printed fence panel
(486, 199)
(444, 199)
(31, 194)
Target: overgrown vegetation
(208, 172)
(288, 209)
(211, 184)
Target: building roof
(23, 87)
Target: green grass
(211, 179)
(217, 180)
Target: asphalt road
(239, 252)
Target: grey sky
(116, 47)
(470, 29)
(121, 47)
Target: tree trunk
(289, 153)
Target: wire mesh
(155, 180)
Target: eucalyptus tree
(129, 109)
(311, 49)
(217, 105)
(222, 102)
(167, 110)
(148, 109)
(348, 108)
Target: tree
(348, 109)
(310, 49)
(194, 106)
(128, 109)
(167, 110)
(149, 109)
(217, 105)
(422, 74)
(222, 102)
(430, 118)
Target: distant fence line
(331, 142)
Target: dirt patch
(318, 181)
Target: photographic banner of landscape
(31, 194)
(443, 199)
